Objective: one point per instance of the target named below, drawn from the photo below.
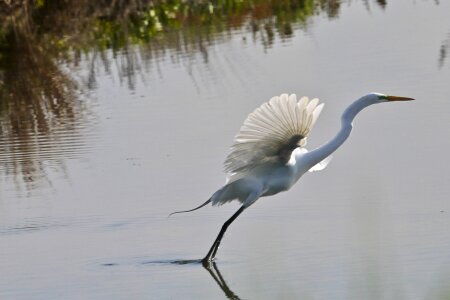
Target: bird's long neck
(347, 117)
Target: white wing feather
(322, 165)
(269, 128)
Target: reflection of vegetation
(69, 29)
(443, 53)
(382, 3)
(143, 26)
(181, 28)
(37, 98)
(39, 38)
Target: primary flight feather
(272, 132)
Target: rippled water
(88, 178)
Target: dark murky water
(98, 145)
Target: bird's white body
(264, 180)
(268, 154)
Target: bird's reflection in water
(213, 270)
(218, 278)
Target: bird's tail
(198, 207)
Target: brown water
(87, 185)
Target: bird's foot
(207, 262)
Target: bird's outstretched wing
(272, 132)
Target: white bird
(268, 154)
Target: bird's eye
(382, 97)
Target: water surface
(98, 145)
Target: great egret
(268, 154)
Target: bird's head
(365, 101)
(378, 98)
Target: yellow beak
(398, 98)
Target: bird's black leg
(212, 252)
